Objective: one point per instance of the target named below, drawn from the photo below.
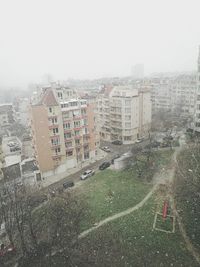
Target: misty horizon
(93, 40)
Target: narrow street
(115, 149)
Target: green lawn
(130, 241)
(109, 192)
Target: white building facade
(197, 105)
(124, 114)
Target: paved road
(115, 149)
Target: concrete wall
(41, 138)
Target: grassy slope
(109, 192)
(130, 241)
(188, 194)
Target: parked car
(87, 174)
(10, 144)
(68, 184)
(115, 157)
(14, 148)
(106, 148)
(104, 165)
(117, 142)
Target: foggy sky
(94, 38)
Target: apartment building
(174, 94)
(183, 90)
(123, 113)
(196, 125)
(160, 95)
(6, 115)
(63, 129)
(21, 109)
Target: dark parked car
(104, 165)
(115, 157)
(68, 184)
(117, 142)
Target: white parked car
(87, 174)
(106, 148)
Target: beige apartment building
(123, 113)
(63, 130)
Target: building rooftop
(48, 98)
(12, 160)
(28, 165)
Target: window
(77, 133)
(127, 110)
(83, 111)
(128, 103)
(60, 95)
(73, 104)
(55, 130)
(50, 109)
(54, 120)
(76, 113)
(77, 141)
(85, 122)
(127, 124)
(127, 138)
(127, 117)
(68, 144)
(77, 124)
(55, 142)
(57, 150)
(85, 131)
(86, 148)
(197, 124)
(69, 153)
(66, 125)
(67, 135)
(86, 155)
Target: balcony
(51, 126)
(86, 135)
(77, 136)
(70, 148)
(77, 128)
(54, 156)
(67, 130)
(53, 146)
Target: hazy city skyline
(92, 39)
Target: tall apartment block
(123, 113)
(63, 130)
(174, 94)
(197, 106)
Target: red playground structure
(165, 209)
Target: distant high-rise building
(137, 71)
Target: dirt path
(120, 214)
(162, 177)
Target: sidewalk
(57, 177)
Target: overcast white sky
(94, 38)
